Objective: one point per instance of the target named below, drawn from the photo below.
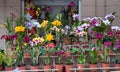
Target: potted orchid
(93, 55)
(48, 49)
(105, 54)
(59, 64)
(81, 60)
(117, 51)
(20, 31)
(35, 51)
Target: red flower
(50, 45)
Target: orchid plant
(36, 49)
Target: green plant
(69, 62)
(36, 52)
(74, 50)
(82, 59)
(47, 60)
(20, 58)
(93, 54)
(1, 58)
(9, 60)
(104, 55)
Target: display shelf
(73, 69)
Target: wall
(90, 8)
(6, 8)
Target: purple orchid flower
(59, 53)
(96, 21)
(110, 17)
(26, 39)
(67, 27)
(48, 9)
(108, 43)
(117, 45)
(71, 4)
(99, 36)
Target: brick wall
(6, 8)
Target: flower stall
(40, 41)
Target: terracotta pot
(76, 44)
(85, 44)
(105, 65)
(68, 67)
(59, 67)
(46, 68)
(67, 40)
(93, 66)
(117, 65)
(1, 67)
(80, 66)
(35, 67)
(22, 67)
(27, 55)
(67, 54)
(9, 68)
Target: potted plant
(105, 54)
(116, 60)
(47, 63)
(1, 59)
(59, 64)
(93, 55)
(69, 65)
(35, 51)
(9, 62)
(81, 61)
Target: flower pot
(47, 68)
(22, 67)
(80, 66)
(68, 67)
(59, 67)
(103, 65)
(27, 55)
(9, 68)
(117, 65)
(76, 44)
(35, 67)
(67, 40)
(1, 67)
(67, 54)
(92, 66)
(85, 44)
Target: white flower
(110, 16)
(78, 29)
(96, 21)
(115, 28)
(36, 23)
(75, 16)
(107, 22)
(85, 26)
(88, 19)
